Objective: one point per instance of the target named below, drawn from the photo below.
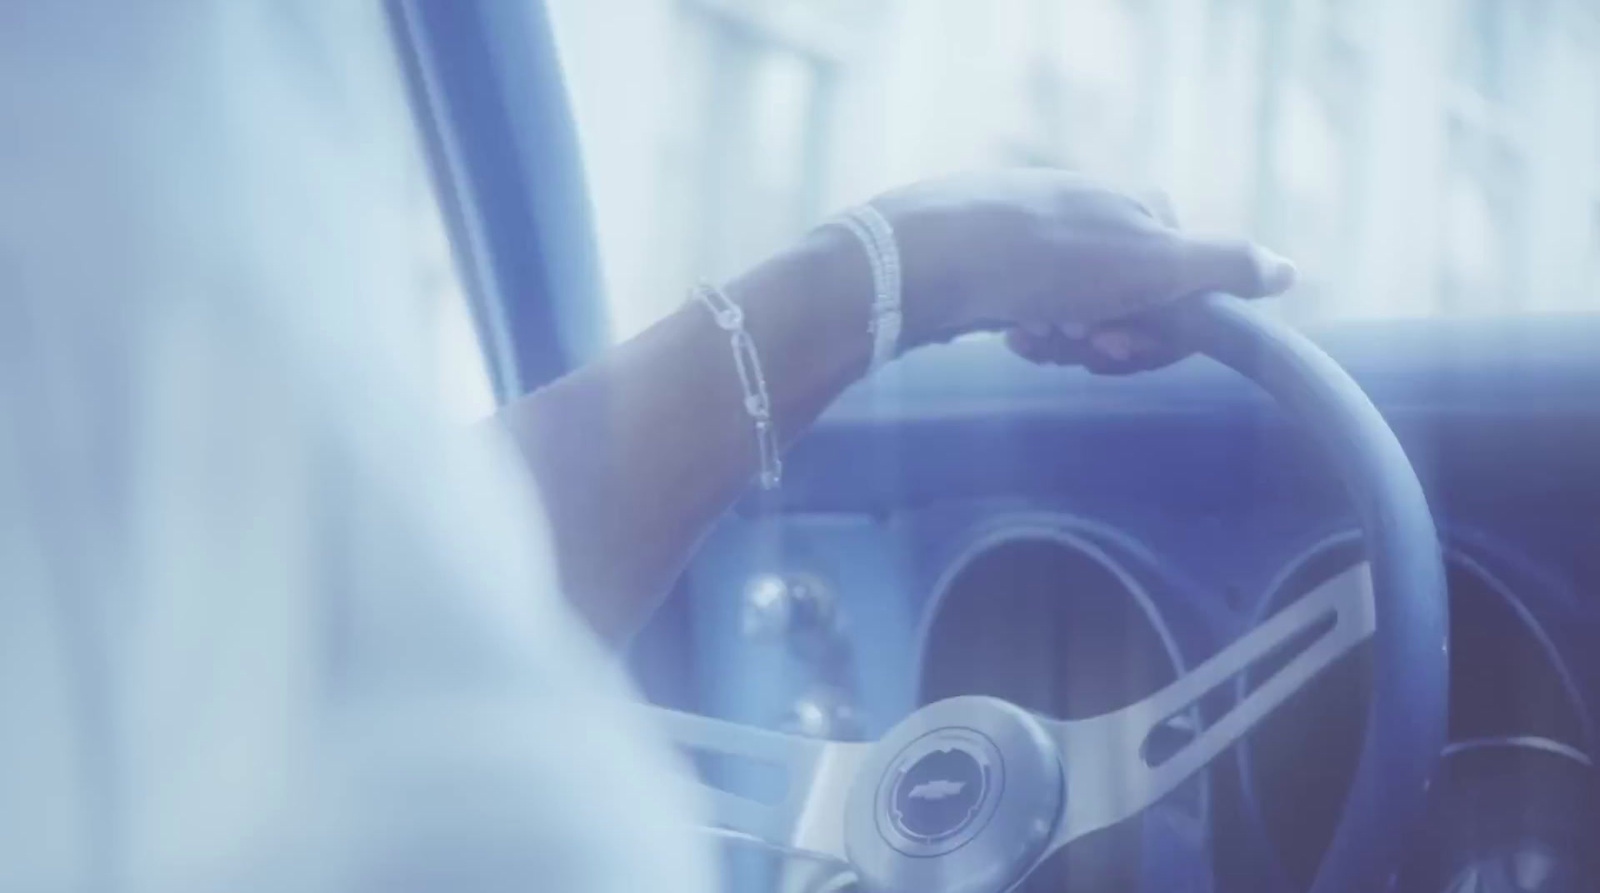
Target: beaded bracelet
(757, 404)
(875, 234)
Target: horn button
(972, 779)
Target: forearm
(637, 454)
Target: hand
(1071, 269)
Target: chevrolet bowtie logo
(937, 789)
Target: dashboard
(968, 523)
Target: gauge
(1515, 775)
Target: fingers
(1045, 345)
(1129, 347)
(1120, 348)
(1235, 266)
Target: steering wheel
(969, 794)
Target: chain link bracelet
(876, 236)
(757, 403)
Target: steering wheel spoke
(1111, 770)
(978, 768)
(808, 818)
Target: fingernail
(1278, 273)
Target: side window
(1312, 163)
(461, 380)
(1415, 159)
(709, 148)
(1484, 184)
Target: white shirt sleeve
(268, 623)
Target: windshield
(1416, 160)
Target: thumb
(1236, 266)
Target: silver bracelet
(876, 236)
(757, 404)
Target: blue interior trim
(486, 84)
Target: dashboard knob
(799, 607)
(824, 712)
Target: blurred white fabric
(266, 622)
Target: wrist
(810, 309)
(807, 309)
(932, 301)
(898, 309)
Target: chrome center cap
(937, 795)
(960, 797)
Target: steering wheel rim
(1407, 717)
(970, 794)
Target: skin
(638, 453)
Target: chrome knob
(798, 607)
(824, 712)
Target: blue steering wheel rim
(1407, 721)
